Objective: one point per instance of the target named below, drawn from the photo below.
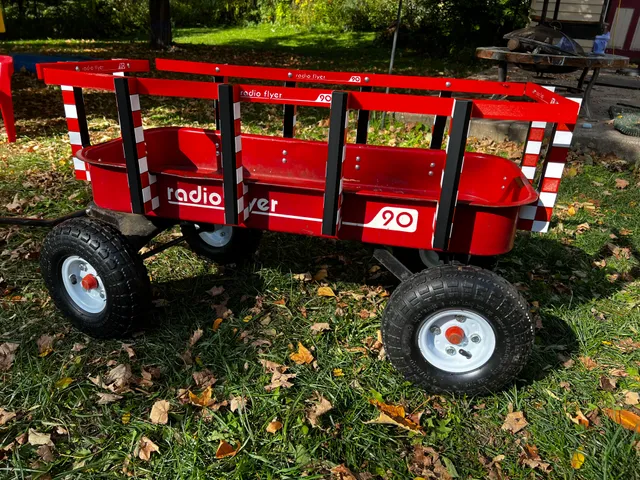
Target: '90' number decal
(394, 218)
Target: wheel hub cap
(219, 237)
(89, 282)
(83, 284)
(456, 340)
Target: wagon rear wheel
(458, 329)
(95, 277)
(222, 244)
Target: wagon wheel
(416, 260)
(458, 329)
(222, 244)
(95, 277)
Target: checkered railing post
(537, 217)
(533, 147)
(78, 129)
(236, 204)
(142, 184)
(336, 152)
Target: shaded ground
(580, 280)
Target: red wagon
(451, 327)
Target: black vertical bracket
(289, 124)
(123, 99)
(363, 121)
(228, 138)
(216, 103)
(83, 128)
(335, 157)
(451, 178)
(439, 125)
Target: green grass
(584, 309)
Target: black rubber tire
(410, 257)
(244, 243)
(124, 276)
(465, 287)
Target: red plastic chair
(6, 103)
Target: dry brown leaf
(129, 349)
(618, 372)
(320, 406)
(630, 398)
(78, 347)
(340, 472)
(303, 277)
(580, 419)
(302, 356)
(279, 379)
(531, 458)
(5, 416)
(237, 403)
(45, 345)
(37, 438)
(317, 328)
(514, 422)
(621, 183)
(105, 398)
(216, 324)
(215, 291)
(494, 468)
(325, 292)
(204, 399)
(118, 378)
(393, 415)
(45, 453)
(271, 367)
(7, 355)
(588, 363)
(274, 426)
(226, 450)
(204, 378)
(607, 384)
(145, 448)
(628, 345)
(627, 419)
(160, 412)
(197, 335)
(426, 463)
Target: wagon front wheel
(458, 329)
(222, 244)
(95, 277)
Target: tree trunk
(160, 14)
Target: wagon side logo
(392, 218)
(355, 79)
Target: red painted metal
(6, 100)
(390, 194)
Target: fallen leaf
(216, 324)
(628, 345)
(627, 419)
(237, 403)
(126, 418)
(105, 398)
(577, 460)
(580, 419)
(274, 426)
(302, 356)
(618, 372)
(7, 355)
(45, 345)
(427, 463)
(320, 406)
(202, 400)
(145, 448)
(607, 384)
(337, 372)
(63, 383)
(160, 412)
(6, 416)
(197, 335)
(493, 466)
(129, 349)
(340, 472)
(393, 415)
(326, 292)
(588, 363)
(118, 378)
(37, 438)
(215, 291)
(317, 328)
(630, 398)
(204, 378)
(531, 458)
(226, 450)
(583, 227)
(45, 453)
(514, 422)
(303, 277)
(621, 183)
(571, 211)
(77, 347)
(321, 275)
(280, 380)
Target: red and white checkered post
(241, 188)
(76, 123)
(533, 147)
(537, 217)
(150, 197)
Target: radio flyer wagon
(451, 327)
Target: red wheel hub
(89, 282)
(454, 335)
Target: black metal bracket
(363, 121)
(83, 128)
(335, 157)
(123, 99)
(228, 138)
(216, 103)
(391, 263)
(451, 178)
(41, 222)
(289, 124)
(162, 248)
(439, 124)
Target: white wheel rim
(219, 237)
(477, 345)
(74, 269)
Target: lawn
(580, 280)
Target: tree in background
(160, 14)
